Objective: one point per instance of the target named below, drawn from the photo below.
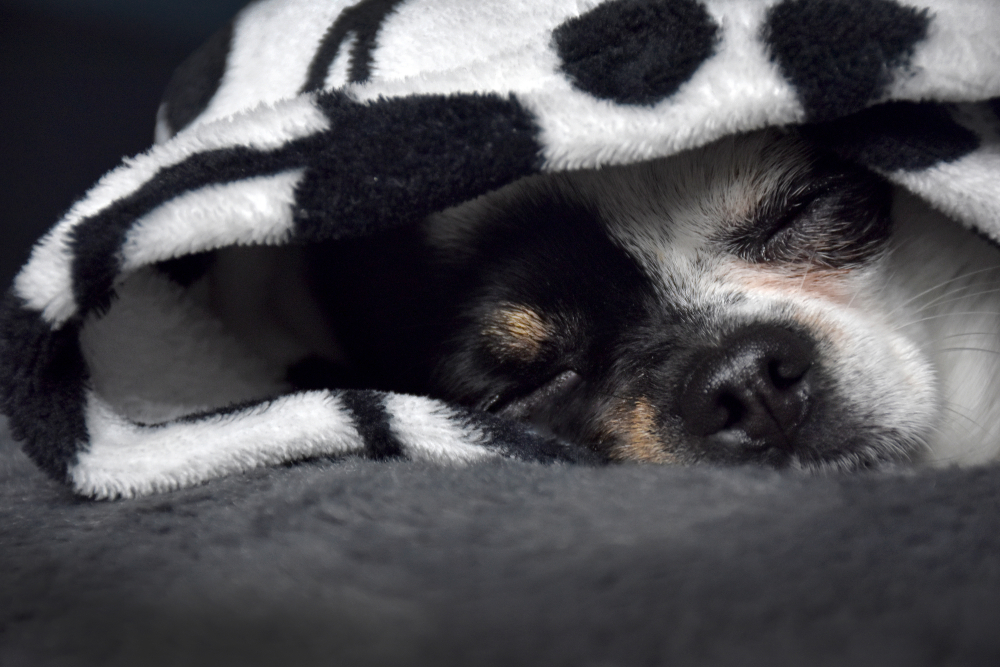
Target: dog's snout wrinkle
(751, 393)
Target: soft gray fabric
(355, 562)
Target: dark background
(80, 82)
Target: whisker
(802, 285)
(969, 349)
(970, 427)
(880, 291)
(942, 284)
(940, 315)
(972, 333)
(938, 301)
(956, 411)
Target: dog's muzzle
(748, 397)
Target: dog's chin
(822, 445)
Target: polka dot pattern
(635, 52)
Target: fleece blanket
(374, 563)
(307, 121)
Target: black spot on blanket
(841, 54)
(362, 20)
(636, 51)
(442, 151)
(42, 385)
(196, 81)
(898, 136)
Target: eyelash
(837, 221)
(521, 403)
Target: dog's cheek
(794, 282)
(634, 430)
(882, 390)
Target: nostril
(734, 408)
(788, 369)
(751, 392)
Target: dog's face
(732, 304)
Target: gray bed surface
(357, 562)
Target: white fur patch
(945, 295)
(339, 73)
(272, 47)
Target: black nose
(752, 392)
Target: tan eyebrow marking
(516, 332)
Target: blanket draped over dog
(316, 120)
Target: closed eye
(519, 405)
(838, 219)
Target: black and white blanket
(310, 120)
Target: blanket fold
(306, 121)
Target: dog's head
(731, 304)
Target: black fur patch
(197, 79)
(897, 136)
(834, 215)
(636, 51)
(363, 20)
(372, 422)
(42, 386)
(840, 54)
(531, 256)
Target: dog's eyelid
(520, 406)
(798, 223)
(773, 213)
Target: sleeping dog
(755, 300)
